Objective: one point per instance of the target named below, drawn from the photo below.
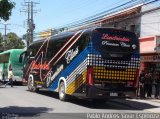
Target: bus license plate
(113, 94)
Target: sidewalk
(147, 105)
(154, 100)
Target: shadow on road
(120, 104)
(22, 111)
(135, 104)
(48, 93)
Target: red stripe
(63, 47)
(64, 52)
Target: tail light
(90, 76)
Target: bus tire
(61, 91)
(31, 84)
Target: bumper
(97, 93)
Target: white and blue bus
(91, 63)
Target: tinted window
(4, 58)
(115, 41)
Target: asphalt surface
(18, 102)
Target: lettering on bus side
(122, 44)
(71, 54)
(44, 66)
(58, 70)
(109, 37)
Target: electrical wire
(102, 14)
(99, 16)
(93, 12)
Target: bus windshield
(114, 41)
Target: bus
(10, 59)
(92, 63)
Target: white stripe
(81, 68)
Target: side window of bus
(50, 50)
(54, 47)
(32, 52)
(83, 41)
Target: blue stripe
(70, 68)
(77, 61)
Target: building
(144, 20)
(150, 53)
(150, 38)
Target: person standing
(148, 84)
(10, 77)
(3, 76)
(141, 84)
(10, 74)
(157, 86)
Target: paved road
(18, 100)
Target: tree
(1, 38)
(13, 41)
(6, 7)
(1, 45)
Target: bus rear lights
(90, 76)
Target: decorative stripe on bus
(30, 66)
(74, 85)
(77, 62)
(80, 63)
(66, 49)
(65, 45)
(72, 38)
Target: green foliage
(1, 39)
(11, 41)
(6, 7)
(14, 42)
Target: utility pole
(30, 23)
(4, 41)
(5, 30)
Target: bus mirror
(20, 59)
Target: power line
(100, 16)
(94, 19)
(89, 14)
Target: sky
(55, 13)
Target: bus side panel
(16, 65)
(4, 69)
(77, 68)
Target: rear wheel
(62, 94)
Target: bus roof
(69, 33)
(11, 50)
